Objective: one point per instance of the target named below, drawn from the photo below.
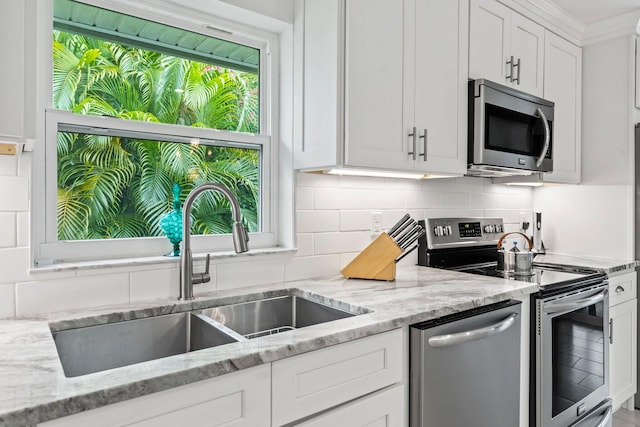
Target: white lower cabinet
(238, 399)
(313, 382)
(622, 361)
(279, 393)
(381, 409)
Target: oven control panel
(458, 232)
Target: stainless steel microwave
(510, 132)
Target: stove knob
(498, 228)
(487, 229)
(437, 230)
(449, 230)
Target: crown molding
(617, 26)
(550, 16)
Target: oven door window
(578, 353)
(514, 132)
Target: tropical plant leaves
(112, 187)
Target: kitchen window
(141, 102)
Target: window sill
(155, 260)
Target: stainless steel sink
(268, 316)
(98, 348)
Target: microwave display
(514, 132)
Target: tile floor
(626, 418)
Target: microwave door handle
(547, 137)
(574, 305)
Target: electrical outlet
(522, 219)
(376, 222)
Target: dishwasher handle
(473, 335)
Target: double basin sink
(98, 348)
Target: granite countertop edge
(33, 387)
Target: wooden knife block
(377, 261)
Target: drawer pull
(619, 289)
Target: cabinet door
(234, 400)
(384, 408)
(622, 366)
(563, 86)
(489, 40)
(309, 383)
(440, 86)
(374, 82)
(527, 46)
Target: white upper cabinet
(505, 47)
(404, 67)
(563, 86)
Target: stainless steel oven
(572, 355)
(569, 357)
(510, 132)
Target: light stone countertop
(607, 266)
(33, 387)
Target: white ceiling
(589, 11)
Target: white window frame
(46, 248)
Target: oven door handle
(574, 305)
(606, 417)
(547, 137)
(473, 335)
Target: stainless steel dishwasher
(465, 368)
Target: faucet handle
(202, 277)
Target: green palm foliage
(116, 187)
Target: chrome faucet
(240, 238)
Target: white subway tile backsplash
(154, 284)
(455, 200)
(304, 179)
(8, 165)
(304, 198)
(300, 268)
(25, 161)
(238, 275)
(423, 200)
(355, 220)
(14, 194)
(23, 225)
(334, 243)
(68, 294)
(349, 198)
(317, 221)
(14, 265)
(304, 243)
(8, 227)
(7, 301)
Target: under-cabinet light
(383, 174)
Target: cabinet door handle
(424, 137)
(619, 289)
(510, 64)
(610, 331)
(517, 64)
(414, 136)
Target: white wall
(596, 217)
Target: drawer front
(384, 408)
(309, 383)
(622, 288)
(238, 399)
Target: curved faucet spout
(240, 237)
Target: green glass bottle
(171, 223)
